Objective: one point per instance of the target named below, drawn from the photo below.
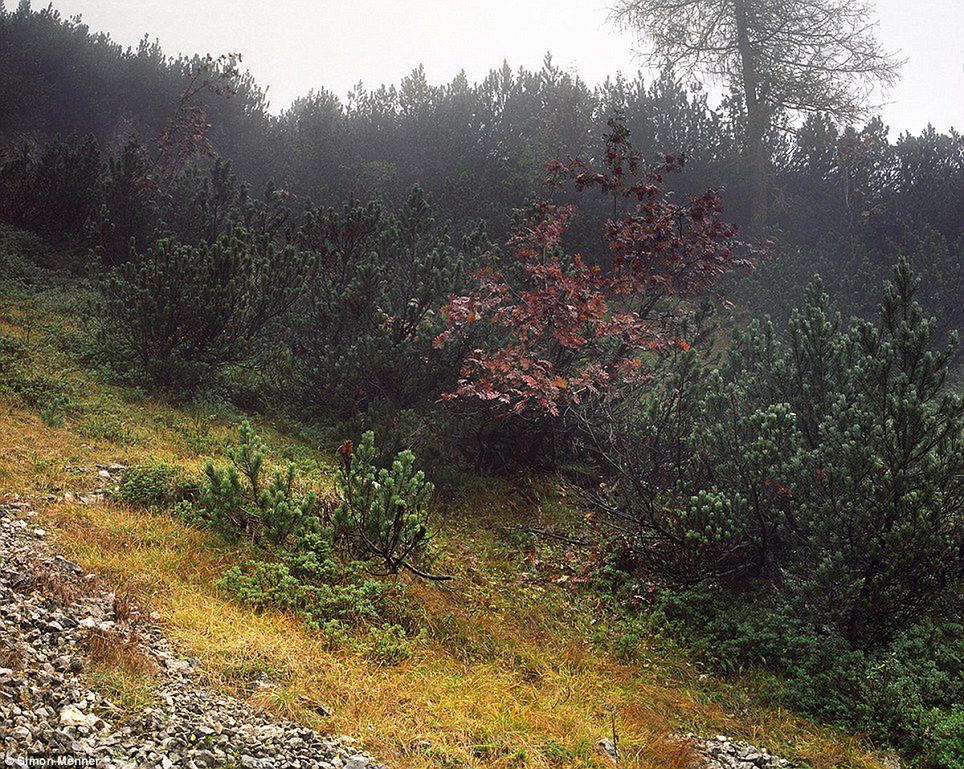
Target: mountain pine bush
(180, 314)
(383, 510)
(804, 512)
(830, 465)
(374, 305)
(237, 502)
(56, 192)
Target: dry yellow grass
(121, 671)
(533, 693)
(507, 675)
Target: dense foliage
(317, 556)
(830, 465)
(561, 327)
(182, 312)
(843, 200)
(802, 503)
(374, 305)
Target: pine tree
(183, 313)
(829, 467)
(383, 511)
(887, 487)
(374, 305)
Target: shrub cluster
(182, 313)
(802, 506)
(798, 506)
(321, 565)
(373, 309)
(29, 384)
(152, 484)
(334, 310)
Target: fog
(293, 46)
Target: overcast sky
(292, 46)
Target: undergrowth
(514, 663)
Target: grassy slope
(507, 675)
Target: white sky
(292, 46)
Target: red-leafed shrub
(554, 327)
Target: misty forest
(506, 422)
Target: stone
(607, 748)
(65, 564)
(722, 752)
(72, 716)
(46, 707)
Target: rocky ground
(721, 752)
(56, 620)
(718, 752)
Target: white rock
(178, 665)
(71, 715)
(606, 747)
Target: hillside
(509, 420)
(516, 662)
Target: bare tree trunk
(757, 118)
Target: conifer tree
(182, 313)
(829, 467)
(374, 304)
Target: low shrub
(906, 693)
(325, 593)
(152, 484)
(383, 511)
(21, 378)
(390, 644)
(237, 502)
(106, 427)
(177, 315)
(271, 585)
(299, 570)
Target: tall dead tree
(784, 57)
